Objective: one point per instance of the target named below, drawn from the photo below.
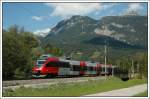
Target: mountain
(71, 29)
(129, 29)
(87, 35)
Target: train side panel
(75, 68)
(82, 66)
(63, 71)
(62, 67)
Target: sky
(41, 17)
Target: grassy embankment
(75, 89)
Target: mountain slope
(130, 29)
(84, 34)
(71, 30)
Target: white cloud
(69, 9)
(42, 32)
(134, 7)
(107, 6)
(37, 18)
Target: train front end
(37, 70)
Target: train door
(64, 68)
(75, 68)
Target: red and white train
(55, 66)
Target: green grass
(75, 89)
(143, 94)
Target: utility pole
(132, 68)
(138, 68)
(112, 71)
(105, 53)
(105, 58)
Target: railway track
(38, 83)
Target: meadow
(75, 89)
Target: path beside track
(131, 91)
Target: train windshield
(40, 62)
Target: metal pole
(132, 69)
(105, 58)
(105, 52)
(112, 71)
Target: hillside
(130, 29)
(84, 38)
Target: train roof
(73, 62)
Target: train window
(109, 69)
(90, 68)
(85, 68)
(103, 69)
(71, 67)
(94, 68)
(81, 68)
(76, 68)
(52, 64)
(99, 69)
(40, 62)
(64, 64)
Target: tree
(17, 53)
(141, 60)
(49, 49)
